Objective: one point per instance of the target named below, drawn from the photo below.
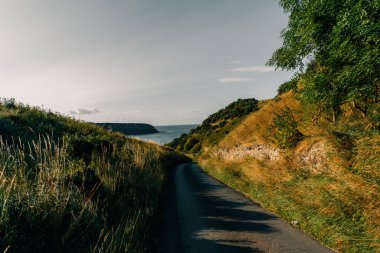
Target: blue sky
(160, 62)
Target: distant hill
(215, 127)
(130, 128)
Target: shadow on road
(226, 222)
(208, 216)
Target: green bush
(287, 86)
(190, 143)
(284, 130)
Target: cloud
(235, 80)
(84, 111)
(258, 69)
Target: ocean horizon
(166, 133)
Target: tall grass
(69, 186)
(51, 203)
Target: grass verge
(323, 206)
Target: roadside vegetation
(70, 186)
(311, 155)
(284, 129)
(322, 178)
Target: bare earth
(204, 215)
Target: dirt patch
(314, 155)
(262, 152)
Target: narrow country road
(204, 215)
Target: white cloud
(84, 111)
(258, 69)
(235, 80)
(237, 62)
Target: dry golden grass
(254, 169)
(254, 128)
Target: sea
(165, 133)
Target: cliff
(130, 128)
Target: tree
(338, 42)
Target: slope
(71, 186)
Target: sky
(155, 61)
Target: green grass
(69, 186)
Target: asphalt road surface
(204, 215)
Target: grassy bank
(324, 206)
(69, 186)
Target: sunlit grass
(338, 203)
(323, 206)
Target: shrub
(191, 142)
(285, 131)
(9, 103)
(287, 86)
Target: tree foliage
(338, 42)
(287, 86)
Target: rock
(262, 152)
(313, 156)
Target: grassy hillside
(326, 182)
(212, 130)
(69, 186)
